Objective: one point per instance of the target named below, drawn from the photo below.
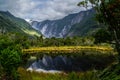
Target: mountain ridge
(77, 24)
(10, 23)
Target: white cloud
(40, 9)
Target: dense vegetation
(11, 55)
(108, 13)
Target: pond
(64, 63)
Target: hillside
(77, 24)
(10, 23)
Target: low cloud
(40, 9)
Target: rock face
(78, 24)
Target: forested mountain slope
(10, 23)
(77, 24)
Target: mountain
(10, 23)
(78, 24)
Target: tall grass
(26, 75)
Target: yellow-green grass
(27, 75)
(67, 49)
(31, 32)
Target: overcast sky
(40, 9)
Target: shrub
(10, 60)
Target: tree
(10, 57)
(108, 13)
(102, 35)
(10, 60)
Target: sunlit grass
(68, 49)
(31, 32)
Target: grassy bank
(88, 75)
